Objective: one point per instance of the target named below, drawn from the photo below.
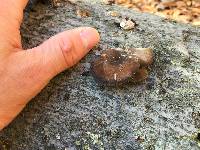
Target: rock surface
(74, 112)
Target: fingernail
(89, 37)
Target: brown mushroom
(114, 67)
(145, 55)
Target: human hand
(23, 73)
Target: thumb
(27, 72)
(63, 50)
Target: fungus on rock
(114, 67)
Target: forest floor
(186, 11)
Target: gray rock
(74, 112)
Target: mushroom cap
(144, 55)
(114, 66)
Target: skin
(23, 73)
